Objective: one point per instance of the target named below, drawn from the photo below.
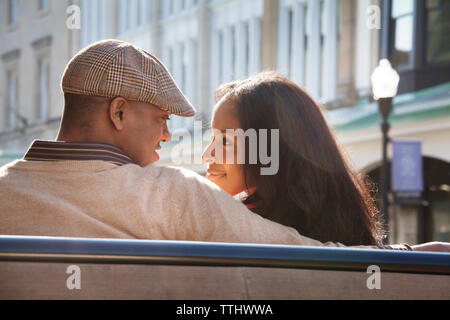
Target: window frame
(11, 113)
(414, 14)
(43, 88)
(42, 52)
(425, 19)
(11, 13)
(41, 5)
(420, 74)
(11, 65)
(313, 30)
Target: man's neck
(66, 137)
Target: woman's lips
(213, 175)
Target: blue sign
(407, 170)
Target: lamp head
(384, 80)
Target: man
(98, 179)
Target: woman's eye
(226, 142)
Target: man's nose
(166, 134)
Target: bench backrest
(80, 268)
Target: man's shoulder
(161, 171)
(5, 167)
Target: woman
(315, 190)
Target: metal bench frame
(120, 251)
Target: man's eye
(167, 118)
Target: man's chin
(147, 161)
(155, 156)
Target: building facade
(36, 46)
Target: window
(193, 71)
(139, 12)
(294, 40)
(9, 114)
(11, 103)
(143, 12)
(233, 52)
(43, 5)
(247, 48)
(13, 11)
(94, 18)
(417, 42)
(306, 34)
(43, 72)
(170, 9)
(42, 49)
(438, 31)
(124, 15)
(402, 15)
(307, 46)
(127, 15)
(322, 63)
(133, 14)
(290, 17)
(183, 68)
(220, 57)
(183, 5)
(170, 60)
(441, 215)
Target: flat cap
(113, 68)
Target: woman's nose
(208, 154)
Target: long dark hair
(315, 191)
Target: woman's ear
(117, 109)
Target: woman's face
(224, 172)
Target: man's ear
(117, 109)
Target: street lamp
(384, 85)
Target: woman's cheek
(235, 177)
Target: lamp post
(384, 85)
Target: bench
(33, 267)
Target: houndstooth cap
(113, 68)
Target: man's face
(144, 128)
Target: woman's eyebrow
(221, 131)
(209, 127)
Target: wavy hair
(316, 190)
